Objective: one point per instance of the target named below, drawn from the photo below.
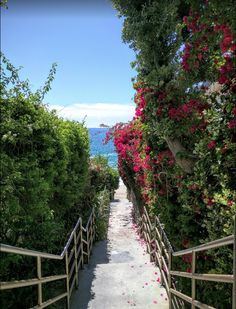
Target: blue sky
(84, 38)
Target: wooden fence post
(169, 279)
(39, 275)
(76, 261)
(82, 244)
(161, 254)
(193, 280)
(67, 281)
(88, 245)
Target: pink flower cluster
(186, 57)
(232, 123)
(184, 111)
(228, 41)
(197, 51)
(141, 102)
(192, 22)
(211, 145)
(136, 156)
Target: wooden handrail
(23, 251)
(73, 254)
(204, 277)
(229, 240)
(162, 253)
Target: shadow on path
(84, 294)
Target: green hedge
(45, 167)
(104, 181)
(47, 181)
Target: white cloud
(96, 113)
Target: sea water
(97, 147)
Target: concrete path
(119, 274)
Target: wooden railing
(159, 248)
(76, 251)
(161, 252)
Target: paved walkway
(119, 274)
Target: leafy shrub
(103, 176)
(102, 214)
(48, 180)
(104, 181)
(44, 173)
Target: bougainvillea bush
(178, 154)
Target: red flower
(210, 202)
(193, 129)
(171, 162)
(228, 40)
(185, 19)
(136, 168)
(200, 56)
(205, 49)
(172, 113)
(230, 203)
(147, 149)
(232, 124)
(185, 108)
(222, 79)
(211, 145)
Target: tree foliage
(47, 180)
